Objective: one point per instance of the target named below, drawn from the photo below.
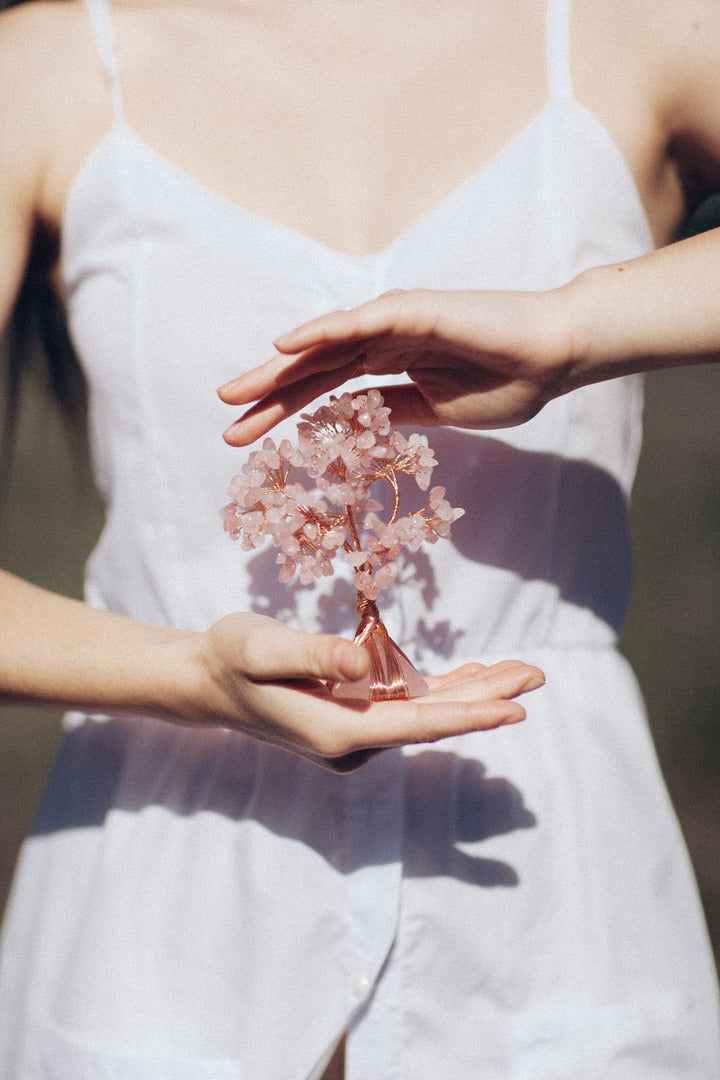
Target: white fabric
(195, 906)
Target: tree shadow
(541, 516)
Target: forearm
(660, 310)
(59, 652)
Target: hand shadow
(127, 765)
(451, 801)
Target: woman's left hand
(493, 359)
(475, 360)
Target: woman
(198, 902)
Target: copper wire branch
(392, 675)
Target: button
(361, 984)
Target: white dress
(514, 905)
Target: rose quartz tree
(346, 448)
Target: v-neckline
(121, 130)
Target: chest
(348, 123)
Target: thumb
(272, 651)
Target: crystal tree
(345, 448)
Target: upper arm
(24, 142)
(693, 103)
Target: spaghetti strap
(558, 50)
(100, 17)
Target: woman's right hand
(246, 672)
(257, 676)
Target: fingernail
(232, 430)
(228, 386)
(534, 682)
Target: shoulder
(680, 42)
(38, 46)
(655, 65)
(689, 37)
(40, 31)
(675, 45)
(26, 62)
(50, 85)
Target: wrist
(164, 681)
(596, 341)
(557, 351)
(191, 688)
(655, 311)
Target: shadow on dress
(565, 523)
(132, 765)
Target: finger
(285, 654)
(282, 403)
(437, 683)
(342, 737)
(366, 320)
(431, 719)
(283, 371)
(329, 730)
(506, 679)
(472, 698)
(406, 403)
(428, 724)
(407, 313)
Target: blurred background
(49, 519)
